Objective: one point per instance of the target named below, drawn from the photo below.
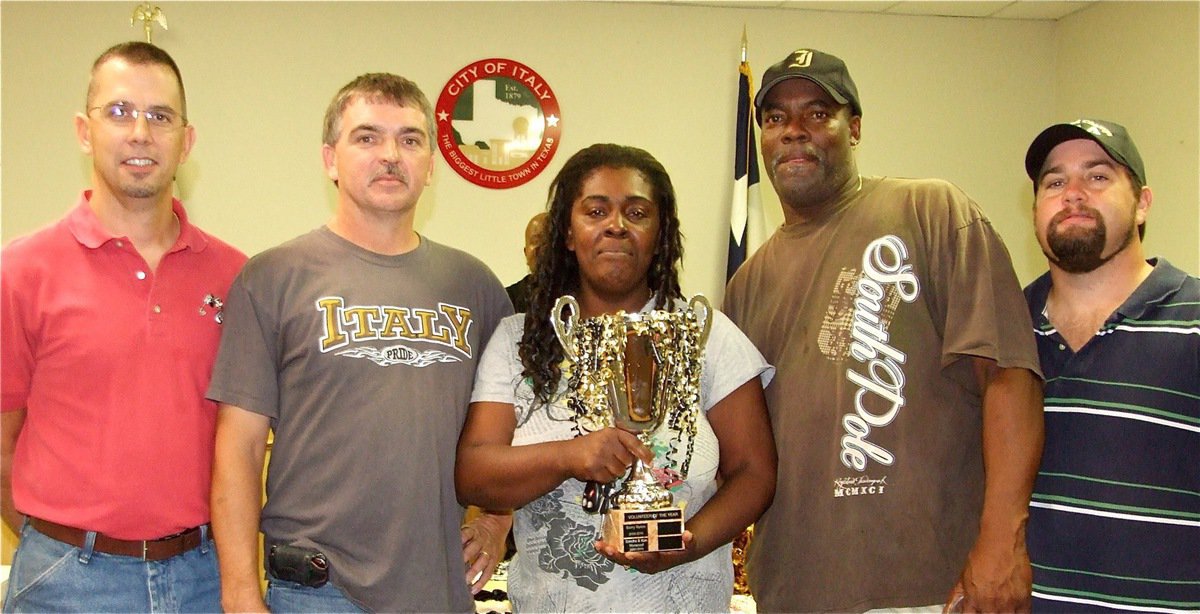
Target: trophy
(636, 371)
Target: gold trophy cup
(636, 370)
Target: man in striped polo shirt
(1115, 518)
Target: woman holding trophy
(610, 369)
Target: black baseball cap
(1111, 136)
(825, 70)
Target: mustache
(1074, 211)
(391, 170)
(806, 151)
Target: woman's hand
(605, 455)
(650, 562)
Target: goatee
(139, 191)
(1081, 250)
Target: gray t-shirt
(556, 569)
(364, 364)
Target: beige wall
(1153, 51)
(948, 97)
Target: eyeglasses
(123, 114)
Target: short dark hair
(556, 270)
(1137, 195)
(377, 87)
(137, 53)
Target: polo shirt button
(157, 309)
(141, 275)
(120, 244)
(1062, 347)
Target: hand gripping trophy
(636, 371)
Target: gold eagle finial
(148, 15)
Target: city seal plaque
(498, 123)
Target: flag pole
(745, 213)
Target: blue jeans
(50, 576)
(284, 596)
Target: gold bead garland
(600, 344)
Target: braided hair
(556, 270)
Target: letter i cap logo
(801, 58)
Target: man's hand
(249, 600)
(240, 450)
(996, 578)
(483, 542)
(11, 422)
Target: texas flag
(746, 226)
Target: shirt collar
(89, 232)
(1036, 294)
(1162, 282)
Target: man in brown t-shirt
(906, 408)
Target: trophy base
(645, 530)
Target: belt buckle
(145, 549)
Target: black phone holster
(304, 566)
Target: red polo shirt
(111, 361)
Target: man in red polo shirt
(111, 321)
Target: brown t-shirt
(867, 313)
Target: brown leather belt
(150, 550)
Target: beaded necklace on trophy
(637, 372)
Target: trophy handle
(597, 497)
(700, 306)
(565, 330)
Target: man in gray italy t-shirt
(356, 344)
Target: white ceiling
(991, 9)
